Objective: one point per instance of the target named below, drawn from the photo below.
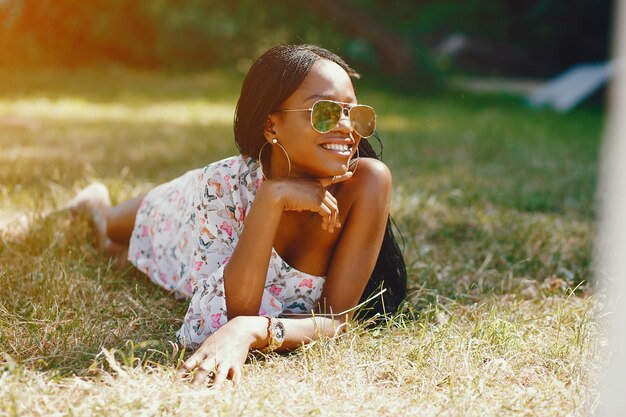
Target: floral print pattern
(187, 229)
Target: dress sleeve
(216, 221)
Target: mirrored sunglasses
(326, 114)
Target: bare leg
(120, 220)
(114, 225)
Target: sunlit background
(490, 113)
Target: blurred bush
(201, 33)
(170, 33)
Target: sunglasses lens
(363, 119)
(325, 115)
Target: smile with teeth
(336, 147)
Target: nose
(344, 120)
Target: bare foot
(95, 201)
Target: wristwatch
(275, 334)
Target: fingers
(341, 178)
(199, 368)
(329, 210)
(208, 372)
(189, 365)
(203, 376)
(220, 376)
(326, 181)
(219, 357)
(311, 195)
(334, 208)
(326, 213)
(235, 375)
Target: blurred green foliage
(163, 33)
(203, 33)
(558, 32)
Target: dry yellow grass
(502, 357)
(497, 236)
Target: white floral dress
(187, 229)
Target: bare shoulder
(373, 175)
(370, 184)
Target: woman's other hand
(222, 355)
(307, 194)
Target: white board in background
(572, 87)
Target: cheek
(304, 147)
(298, 135)
(300, 144)
(295, 130)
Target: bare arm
(351, 267)
(244, 275)
(225, 351)
(361, 239)
(298, 331)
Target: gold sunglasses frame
(349, 106)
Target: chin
(332, 169)
(331, 162)
(321, 167)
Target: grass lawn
(495, 203)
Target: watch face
(279, 331)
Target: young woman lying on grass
(276, 246)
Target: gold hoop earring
(358, 157)
(275, 142)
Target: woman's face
(308, 149)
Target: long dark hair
(271, 80)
